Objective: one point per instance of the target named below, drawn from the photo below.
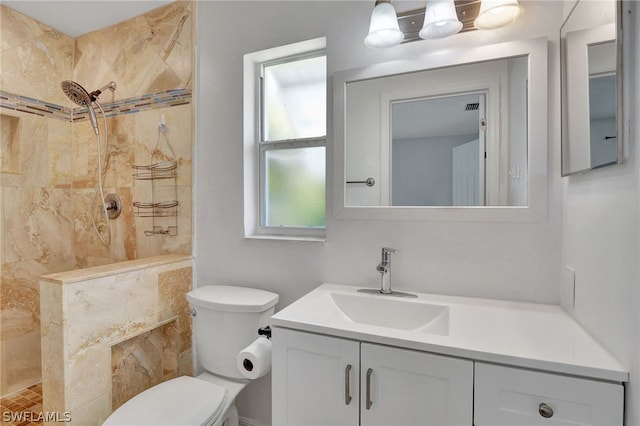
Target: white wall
(498, 260)
(601, 230)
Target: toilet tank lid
(232, 298)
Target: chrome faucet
(384, 269)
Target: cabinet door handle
(369, 403)
(545, 410)
(347, 391)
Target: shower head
(81, 97)
(76, 93)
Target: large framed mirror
(457, 135)
(591, 62)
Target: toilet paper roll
(255, 360)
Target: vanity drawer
(511, 396)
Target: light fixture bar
(411, 21)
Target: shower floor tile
(23, 408)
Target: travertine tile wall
(37, 221)
(47, 190)
(90, 321)
(142, 362)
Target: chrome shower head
(81, 97)
(76, 93)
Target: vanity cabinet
(314, 380)
(406, 387)
(506, 396)
(323, 380)
(320, 380)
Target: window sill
(294, 238)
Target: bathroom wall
(37, 220)
(149, 54)
(48, 178)
(519, 261)
(601, 237)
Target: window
(285, 141)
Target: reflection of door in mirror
(438, 161)
(602, 104)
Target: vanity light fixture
(383, 29)
(439, 19)
(497, 13)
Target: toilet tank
(226, 321)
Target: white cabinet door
(404, 387)
(510, 396)
(314, 379)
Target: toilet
(225, 320)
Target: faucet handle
(386, 251)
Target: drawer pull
(369, 402)
(545, 410)
(347, 391)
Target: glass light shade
(383, 29)
(497, 13)
(440, 19)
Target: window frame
(255, 147)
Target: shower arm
(94, 97)
(111, 86)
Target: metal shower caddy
(162, 173)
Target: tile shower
(49, 157)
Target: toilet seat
(184, 401)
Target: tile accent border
(16, 102)
(169, 98)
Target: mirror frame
(537, 135)
(595, 34)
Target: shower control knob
(113, 205)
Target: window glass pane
(294, 99)
(295, 187)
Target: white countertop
(536, 336)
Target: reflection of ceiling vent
(472, 107)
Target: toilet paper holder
(265, 331)
(254, 361)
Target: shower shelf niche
(161, 172)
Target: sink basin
(392, 312)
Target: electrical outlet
(568, 293)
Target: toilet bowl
(206, 400)
(226, 320)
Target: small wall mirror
(591, 87)
(436, 136)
